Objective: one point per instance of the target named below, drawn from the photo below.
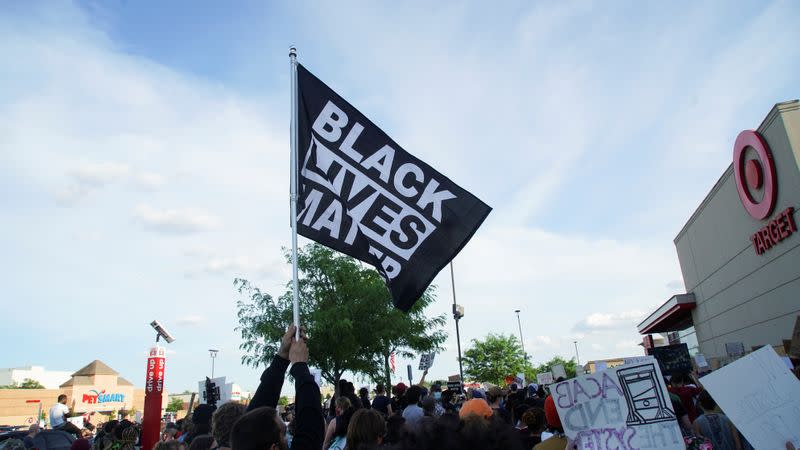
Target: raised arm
(309, 430)
(269, 390)
(422, 380)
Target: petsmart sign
(625, 407)
(95, 397)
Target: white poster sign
(761, 396)
(544, 378)
(559, 372)
(622, 407)
(700, 359)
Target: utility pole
(213, 354)
(522, 343)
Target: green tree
(339, 299)
(28, 383)
(569, 366)
(175, 404)
(494, 358)
(283, 400)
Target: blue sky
(144, 156)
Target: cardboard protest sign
(426, 361)
(559, 371)
(760, 396)
(544, 378)
(673, 358)
(625, 407)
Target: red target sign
(755, 174)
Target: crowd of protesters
(413, 417)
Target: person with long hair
(366, 430)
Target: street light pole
(520, 335)
(577, 358)
(213, 354)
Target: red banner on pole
(153, 394)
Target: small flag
(361, 194)
(391, 362)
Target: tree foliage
(570, 366)
(283, 401)
(494, 358)
(28, 383)
(348, 314)
(175, 404)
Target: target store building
(740, 251)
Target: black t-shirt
(381, 403)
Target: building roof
(95, 367)
(123, 382)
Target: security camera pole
(154, 388)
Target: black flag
(363, 195)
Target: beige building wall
(742, 296)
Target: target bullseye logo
(755, 174)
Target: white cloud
(190, 320)
(606, 321)
(175, 221)
(150, 180)
(99, 174)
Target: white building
(50, 379)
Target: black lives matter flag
(363, 195)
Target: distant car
(53, 440)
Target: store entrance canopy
(674, 315)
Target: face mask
(437, 396)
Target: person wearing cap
(558, 441)
(495, 396)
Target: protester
(58, 416)
(436, 393)
(399, 400)
(381, 402)
(715, 426)
(395, 430)
(202, 442)
(476, 406)
(559, 440)
(260, 428)
(495, 397)
(534, 423)
(413, 413)
(201, 422)
(222, 422)
(344, 411)
(366, 430)
(684, 386)
(363, 395)
(170, 445)
(350, 393)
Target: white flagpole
(293, 188)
